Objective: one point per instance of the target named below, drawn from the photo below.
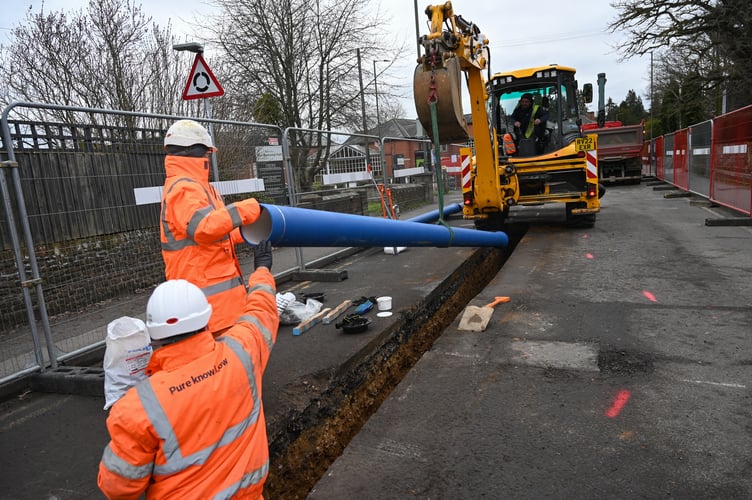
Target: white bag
(297, 312)
(127, 352)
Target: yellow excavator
(506, 162)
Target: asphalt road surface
(621, 368)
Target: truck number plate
(584, 144)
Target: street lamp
(197, 48)
(190, 47)
(651, 98)
(382, 158)
(363, 111)
(417, 27)
(376, 93)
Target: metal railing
(81, 192)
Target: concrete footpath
(621, 368)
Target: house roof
(396, 127)
(399, 128)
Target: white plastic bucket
(384, 303)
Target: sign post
(202, 84)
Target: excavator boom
(453, 45)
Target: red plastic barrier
(730, 164)
(659, 155)
(681, 169)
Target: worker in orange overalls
(198, 232)
(195, 428)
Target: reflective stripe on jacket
(198, 234)
(531, 121)
(195, 428)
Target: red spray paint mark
(619, 402)
(589, 255)
(649, 296)
(586, 236)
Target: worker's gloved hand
(262, 255)
(249, 210)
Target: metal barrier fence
(710, 158)
(668, 157)
(79, 244)
(648, 159)
(731, 173)
(81, 199)
(681, 171)
(700, 143)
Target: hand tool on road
(314, 320)
(475, 319)
(334, 313)
(353, 323)
(364, 304)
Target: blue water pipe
(434, 214)
(302, 227)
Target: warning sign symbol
(201, 82)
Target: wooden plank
(306, 325)
(336, 312)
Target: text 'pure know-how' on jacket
(195, 428)
(199, 233)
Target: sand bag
(127, 352)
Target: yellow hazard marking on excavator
(584, 144)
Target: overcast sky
(539, 33)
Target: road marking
(620, 401)
(34, 414)
(720, 384)
(401, 449)
(456, 354)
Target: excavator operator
(530, 122)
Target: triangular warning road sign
(201, 82)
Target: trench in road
(319, 434)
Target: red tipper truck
(619, 151)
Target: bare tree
(302, 55)
(108, 56)
(713, 39)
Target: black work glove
(262, 255)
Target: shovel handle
(498, 300)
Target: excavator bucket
(448, 84)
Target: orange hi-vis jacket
(195, 428)
(199, 234)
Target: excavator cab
(553, 91)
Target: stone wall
(347, 201)
(77, 275)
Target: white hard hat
(176, 307)
(187, 133)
